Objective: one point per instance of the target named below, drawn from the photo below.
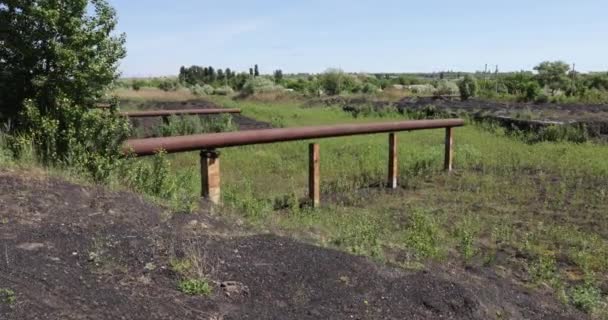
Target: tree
(553, 75)
(56, 49)
(278, 76)
(467, 87)
(256, 71)
(211, 75)
(251, 72)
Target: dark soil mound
(147, 125)
(74, 252)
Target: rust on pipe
(143, 147)
(161, 113)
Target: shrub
(204, 90)
(586, 297)
(223, 91)
(334, 81)
(76, 137)
(260, 85)
(136, 85)
(168, 85)
(533, 91)
(467, 87)
(195, 287)
(444, 87)
(424, 236)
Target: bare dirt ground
(82, 252)
(147, 125)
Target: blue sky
(361, 35)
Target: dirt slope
(74, 252)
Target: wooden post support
(313, 174)
(449, 150)
(210, 175)
(392, 161)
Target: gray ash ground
(82, 252)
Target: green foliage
(204, 90)
(76, 137)
(181, 266)
(153, 177)
(586, 297)
(424, 235)
(466, 233)
(136, 85)
(223, 91)
(533, 91)
(334, 81)
(54, 50)
(445, 87)
(544, 269)
(260, 85)
(557, 133)
(7, 296)
(278, 76)
(553, 75)
(360, 235)
(196, 287)
(187, 125)
(168, 85)
(467, 87)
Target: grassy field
(534, 213)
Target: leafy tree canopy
(52, 49)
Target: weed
(424, 235)
(544, 269)
(181, 266)
(195, 287)
(586, 297)
(7, 296)
(466, 233)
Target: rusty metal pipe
(143, 147)
(164, 113)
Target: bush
(136, 85)
(204, 90)
(444, 87)
(467, 87)
(260, 85)
(168, 85)
(369, 88)
(533, 91)
(195, 287)
(76, 137)
(334, 81)
(223, 91)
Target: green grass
(196, 287)
(509, 205)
